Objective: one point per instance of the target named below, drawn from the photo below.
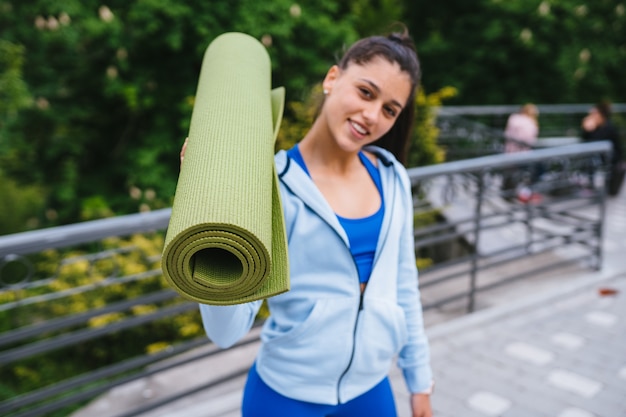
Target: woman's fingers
(182, 151)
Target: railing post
(602, 215)
(480, 191)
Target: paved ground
(561, 354)
(559, 351)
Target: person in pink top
(520, 133)
(522, 129)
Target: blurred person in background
(597, 126)
(522, 129)
(520, 133)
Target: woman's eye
(391, 111)
(365, 92)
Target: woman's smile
(360, 131)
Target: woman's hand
(182, 151)
(420, 405)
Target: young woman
(354, 304)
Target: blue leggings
(259, 400)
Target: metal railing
(472, 131)
(466, 204)
(500, 208)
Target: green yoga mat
(226, 241)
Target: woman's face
(364, 101)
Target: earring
(325, 92)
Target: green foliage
(20, 206)
(424, 149)
(301, 38)
(301, 117)
(113, 87)
(13, 90)
(516, 51)
(95, 100)
(422, 219)
(133, 256)
(95, 208)
(373, 17)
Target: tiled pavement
(561, 355)
(560, 352)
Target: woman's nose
(371, 112)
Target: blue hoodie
(324, 341)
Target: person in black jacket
(597, 126)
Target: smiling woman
(353, 303)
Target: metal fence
(486, 212)
(93, 286)
(472, 131)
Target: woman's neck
(322, 155)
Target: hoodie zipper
(356, 322)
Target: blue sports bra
(362, 232)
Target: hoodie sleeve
(414, 358)
(225, 325)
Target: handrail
(506, 109)
(90, 231)
(492, 162)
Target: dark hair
(604, 108)
(395, 47)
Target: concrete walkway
(556, 351)
(559, 354)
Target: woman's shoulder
(377, 154)
(387, 160)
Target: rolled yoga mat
(226, 241)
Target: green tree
(20, 206)
(374, 17)
(114, 84)
(516, 51)
(14, 94)
(424, 149)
